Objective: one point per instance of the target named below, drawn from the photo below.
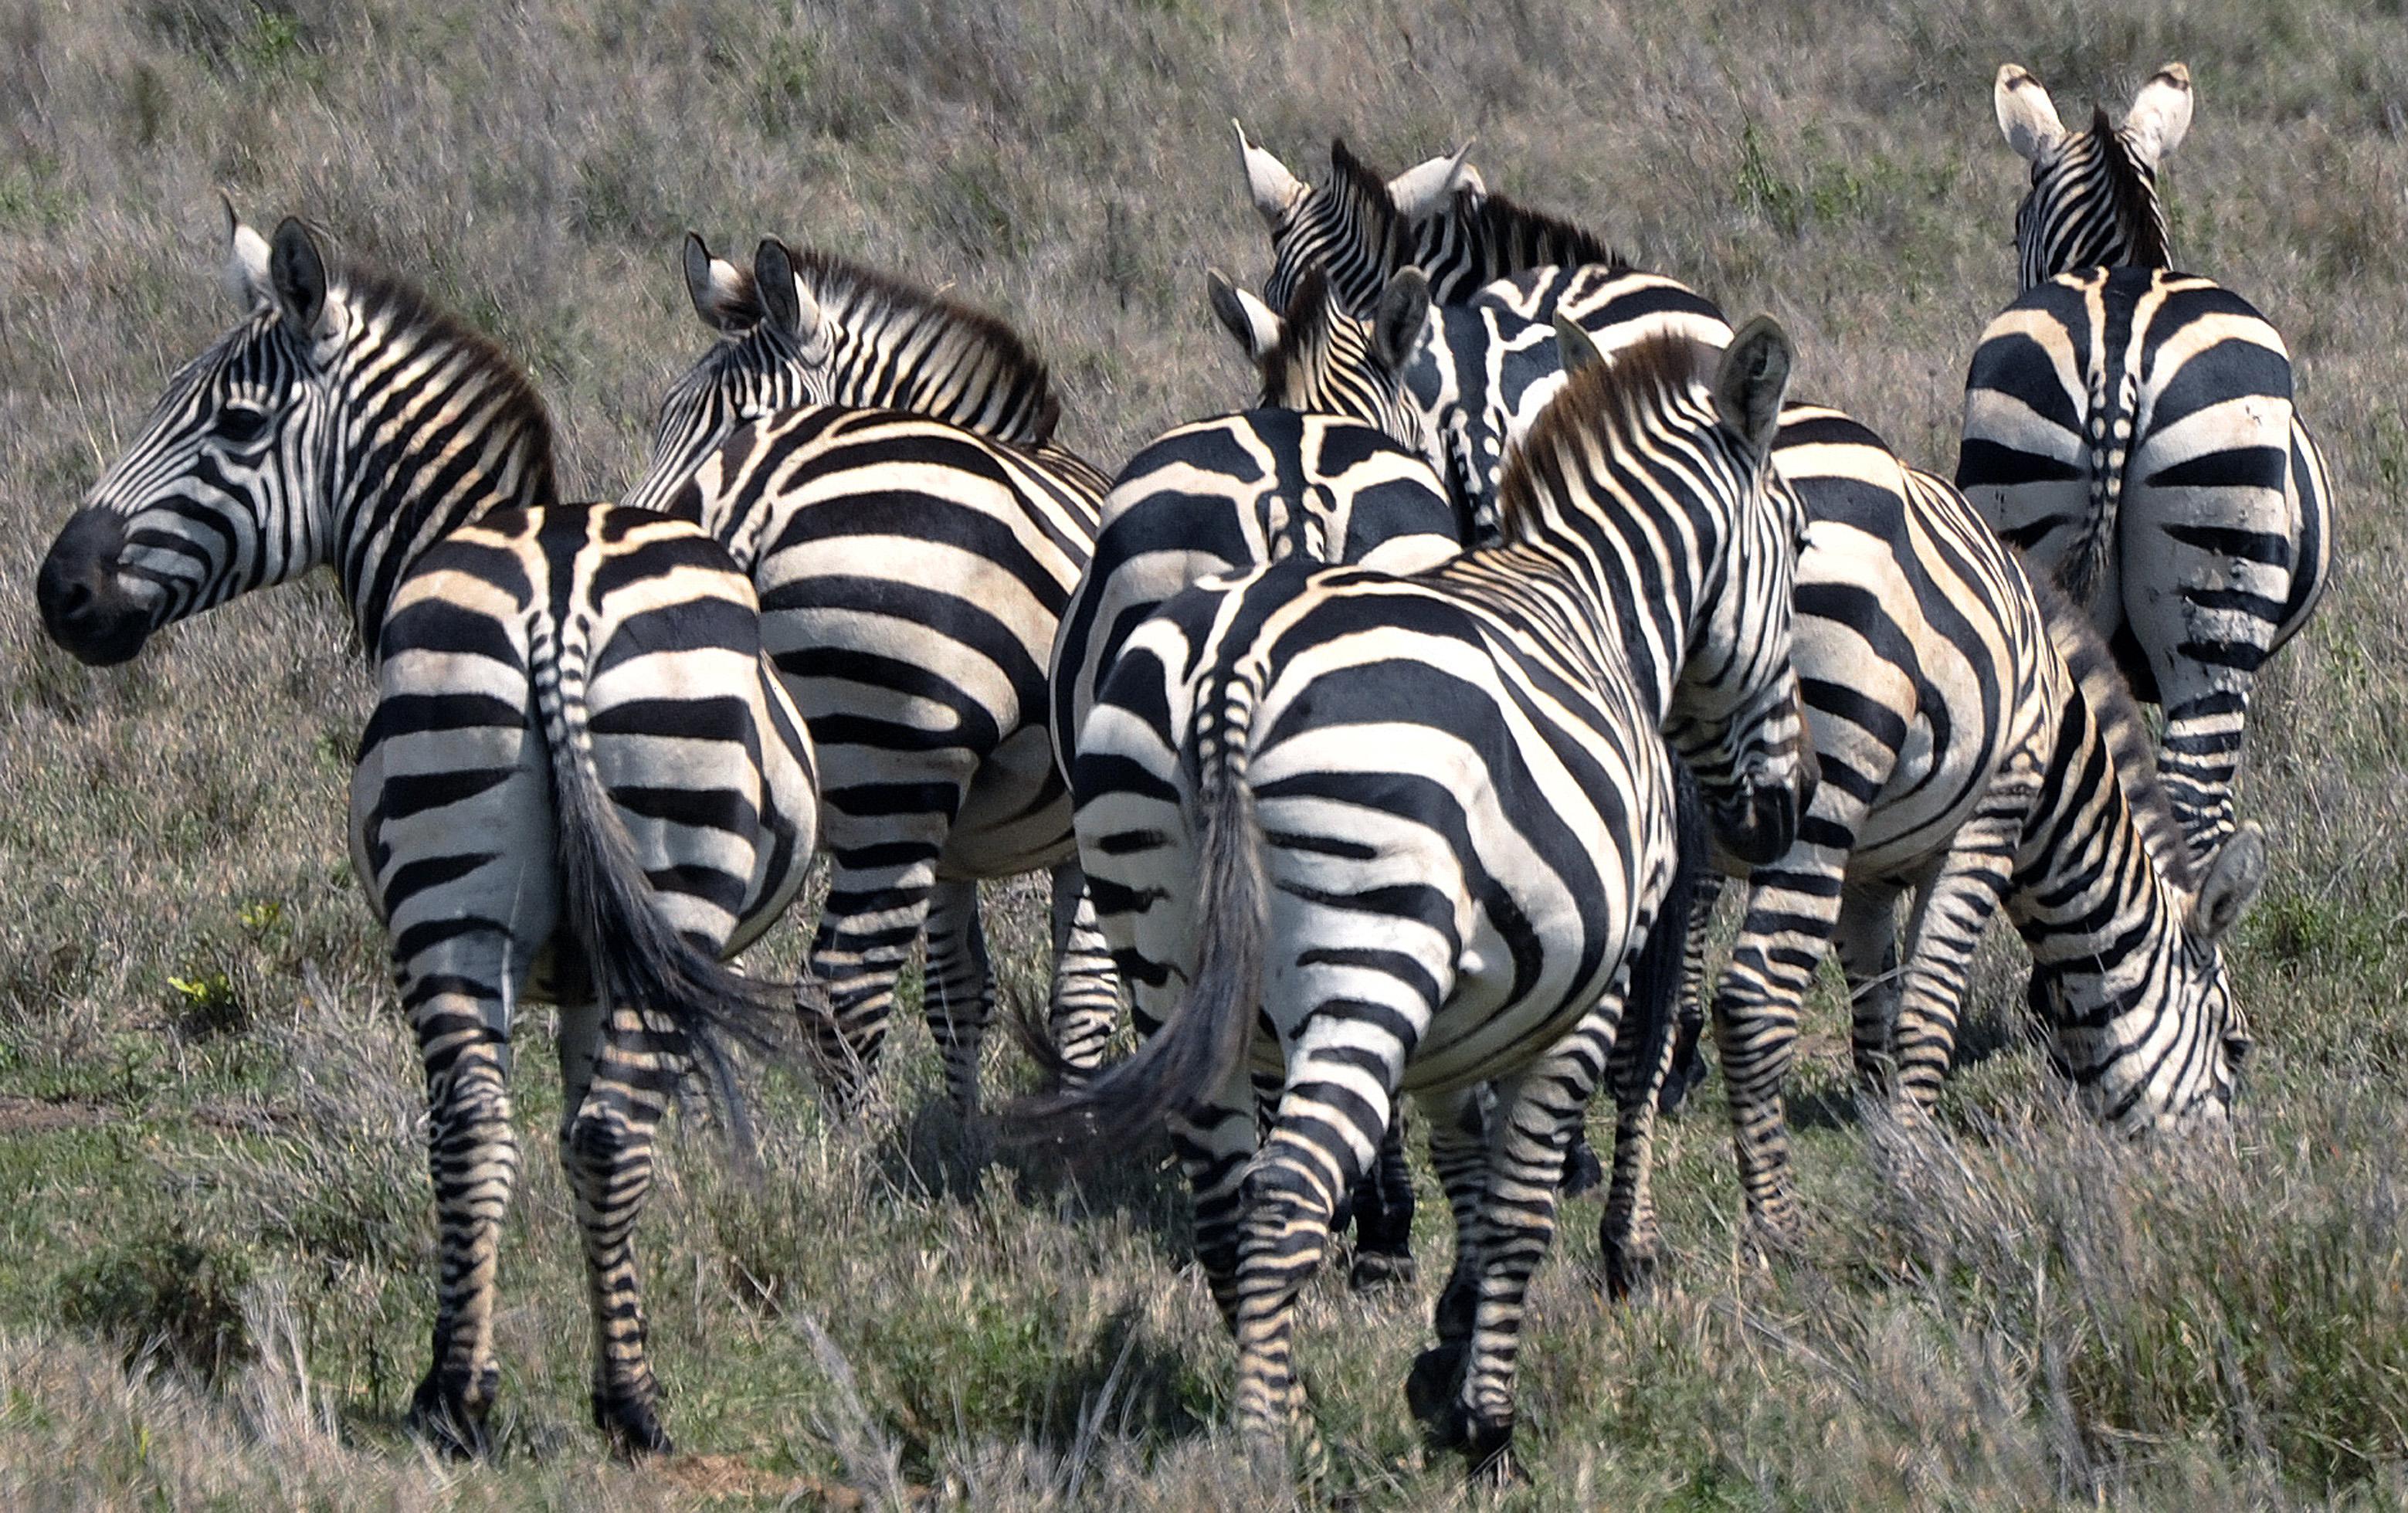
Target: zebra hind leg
(1688, 1070)
(878, 900)
(473, 1158)
(1458, 1147)
(1087, 1002)
(617, 1081)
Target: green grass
(211, 1136)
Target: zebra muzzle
(1757, 822)
(83, 599)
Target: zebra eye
(241, 425)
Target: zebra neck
(2090, 900)
(425, 445)
(1570, 585)
(934, 363)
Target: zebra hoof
(1629, 1272)
(1430, 1392)
(633, 1428)
(1381, 1271)
(448, 1411)
(1489, 1457)
(1582, 1171)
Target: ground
(216, 1258)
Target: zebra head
(774, 352)
(2093, 201)
(224, 490)
(1736, 714)
(1316, 359)
(1355, 226)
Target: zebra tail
(1201, 1045)
(2087, 566)
(633, 953)
(1652, 1003)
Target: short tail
(1202, 1043)
(635, 955)
(2087, 566)
(1652, 1003)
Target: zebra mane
(2134, 191)
(2121, 729)
(930, 354)
(1355, 182)
(405, 313)
(1612, 400)
(1511, 238)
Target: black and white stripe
(1974, 750)
(582, 780)
(2132, 429)
(912, 570)
(1432, 817)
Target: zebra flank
(912, 570)
(2130, 429)
(1461, 825)
(581, 781)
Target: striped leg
(1627, 1236)
(1086, 1003)
(1866, 939)
(1536, 1113)
(616, 1083)
(473, 1157)
(958, 992)
(878, 898)
(1328, 1132)
(1951, 911)
(1382, 1210)
(1688, 1068)
(1789, 919)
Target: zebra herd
(1389, 737)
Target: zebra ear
(2231, 884)
(1574, 345)
(1247, 318)
(717, 288)
(1428, 188)
(246, 261)
(2026, 113)
(1752, 379)
(1399, 318)
(783, 299)
(1273, 187)
(299, 274)
(2160, 114)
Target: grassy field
(210, 1133)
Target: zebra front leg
(1688, 1068)
(1382, 1210)
(1866, 938)
(616, 1080)
(462, 1027)
(1086, 1001)
(1951, 909)
(957, 991)
(878, 900)
(1790, 915)
(1458, 1147)
(1536, 1112)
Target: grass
(210, 1127)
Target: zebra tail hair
(633, 953)
(1202, 1043)
(2086, 567)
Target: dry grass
(2031, 1319)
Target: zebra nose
(82, 607)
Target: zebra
(1977, 749)
(582, 780)
(2130, 428)
(914, 533)
(1357, 228)
(1310, 470)
(1431, 816)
